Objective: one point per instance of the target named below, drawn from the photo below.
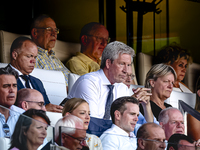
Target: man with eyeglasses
(94, 37)
(73, 135)
(151, 136)
(8, 93)
(44, 34)
(30, 98)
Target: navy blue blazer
(37, 85)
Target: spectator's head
(171, 120)
(150, 136)
(8, 86)
(72, 132)
(176, 57)
(78, 107)
(30, 99)
(180, 142)
(124, 113)
(23, 54)
(160, 79)
(44, 32)
(30, 132)
(129, 77)
(116, 60)
(94, 37)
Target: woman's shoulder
(14, 148)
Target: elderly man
(94, 38)
(44, 34)
(23, 53)
(150, 136)
(8, 93)
(181, 142)
(30, 98)
(102, 87)
(124, 113)
(73, 135)
(171, 120)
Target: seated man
(23, 53)
(124, 113)
(44, 34)
(72, 135)
(30, 98)
(171, 120)
(150, 136)
(181, 142)
(8, 93)
(94, 38)
(102, 87)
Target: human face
(36, 132)
(117, 70)
(8, 90)
(83, 112)
(44, 38)
(180, 67)
(163, 86)
(25, 58)
(185, 145)
(36, 101)
(95, 46)
(74, 141)
(175, 124)
(129, 77)
(129, 118)
(156, 139)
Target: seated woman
(160, 79)
(80, 108)
(179, 59)
(29, 134)
(192, 123)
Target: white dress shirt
(116, 138)
(92, 87)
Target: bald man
(30, 98)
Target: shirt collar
(43, 51)
(16, 70)
(120, 131)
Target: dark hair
(197, 105)
(18, 138)
(119, 104)
(176, 138)
(8, 70)
(17, 44)
(88, 28)
(170, 54)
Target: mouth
(179, 132)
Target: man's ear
(152, 82)
(141, 143)
(24, 105)
(14, 55)
(108, 63)
(34, 33)
(117, 115)
(67, 113)
(84, 40)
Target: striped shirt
(48, 61)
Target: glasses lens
(6, 130)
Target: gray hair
(164, 114)
(113, 50)
(68, 123)
(156, 71)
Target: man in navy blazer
(23, 53)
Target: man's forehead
(5, 78)
(175, 115)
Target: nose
(33, 60)
(104, 42)
(163, 145)
(44, 108)
(125, 69)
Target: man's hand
(54, 108)
(197, 143)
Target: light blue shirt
(116, 138)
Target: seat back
(4, 143)
(71, 80)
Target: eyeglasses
(80, 140)
(41, 104)
(50, 30)
(155, 141)
(6, 130)
(131, 76)
(100, 39)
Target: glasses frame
(80, 140)
(100, 38)
(50, 29)
(41, 104)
